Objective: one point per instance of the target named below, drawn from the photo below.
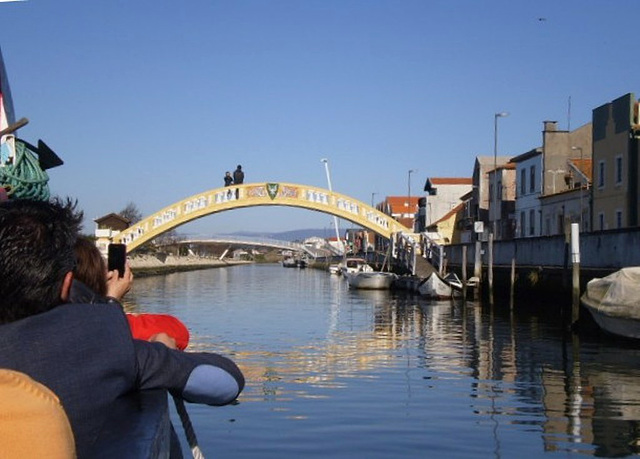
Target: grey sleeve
(197, 377)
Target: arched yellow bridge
(259, 194)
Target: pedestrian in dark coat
(238, 175)
(238, 179)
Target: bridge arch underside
(254, 195)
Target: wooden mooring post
(477, 267)
(513, 276)
(490, 268)
(575, 270)
(464, 274)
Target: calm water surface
(340, 373)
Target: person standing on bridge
(238, 175)
(238, 178)
(228, 181)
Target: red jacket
(144, 326)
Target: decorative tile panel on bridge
(259, 194)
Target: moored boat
(371, 280)
(354, 265)
(614, 302)
(457, 287)
(435, 287)
(289, 262)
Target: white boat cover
(617, 295)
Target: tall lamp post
(581, 185)
(411, 171)
(335, 219)
(372, 198)
(494, 198)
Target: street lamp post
(335, 219)
(581, 185)
(494, 198)
(372, 198)
(409, 192)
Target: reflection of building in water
(568, 411)
(519, 370)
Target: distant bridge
(259, 194)
(253, 242)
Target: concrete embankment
(151, 265)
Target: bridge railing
(405, 249)
(432, 251)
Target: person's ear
(66, 286)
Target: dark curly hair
(36, 252)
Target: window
(522, 224)
(618, 170)
(601, 174)
(618, 219)
(499, 190)
(532, 179)
(601, 221)
(532, 222)
(523, 182)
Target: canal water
(340, 373)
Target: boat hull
(371, 280)
(614, 302)
(436, 288)
(627, 328)
(289, 263)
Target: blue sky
(151, 101)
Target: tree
(131, 213)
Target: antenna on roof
(569, 115)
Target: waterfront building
(528, 191)
(401, 208)
(502, 193)
(360, 240)
(447, 229)
(479, 202)
(442, 194)
(107, 227)
(616, 128)
(548, 170)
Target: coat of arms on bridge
(272, 190)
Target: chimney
(550, 126)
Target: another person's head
(239, 167)
(91, 268)
(37, 255)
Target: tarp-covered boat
(614, 302)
